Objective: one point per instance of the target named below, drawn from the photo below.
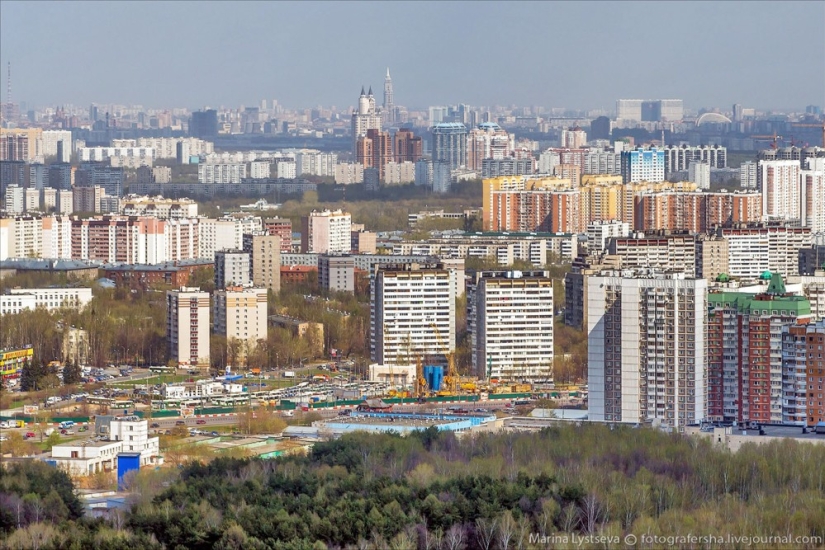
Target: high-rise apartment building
(412, 314)
(747, 175)
(573, 138)
(374, 150)
(646, 348)
(487, 141)
(662, 252)
(187, 326)
(283, 228)
(14, 202)
(679, 157)
(754, 249)
(450, 144)
(803, 373)
(232, 268)
(699, 173)
(745, 373)
(326, 232)
(366, 117)
(643, 165)
(204, 124)
(336, 273)
(812, 199)
(510, 320)
(111, 179)
(407, 147)
(265, 259)
(87, 199)
(778, 182)
(601, 231)
(239, 315)
(711, 256)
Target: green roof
(753, 304)
(777, 285)
(766, 276)
(722, 278)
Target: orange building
(407, 147)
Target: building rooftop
(42, 264)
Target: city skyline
(136, 49)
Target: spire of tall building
(389, 106)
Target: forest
(432, 490)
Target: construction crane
(772, 138)
(391, 391)
(421, 387)
(451, 378)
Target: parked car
(180, 423)
(30, 435)
(155, 425)
(64, 431)
(200, 421)
(215, 433)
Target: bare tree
(592, 513)
(454, 538)
(570, 518)
(485, 530)
(506, 530)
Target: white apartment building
(158, 207)
(505, 252)
(286, 169)
(599, 232)
(812, 199)
(187, 326)
(310, 162)
(65, 202)
(646, 348)
(221, 173)
(260, 169)
(240, 315)
(18, 299)
(548, 160)
(699, 173)
(57, 237)
(224, 233)
(399, 172)
(597, 162)
(167, 148)
(14, 202)
(232, 268)
(32, 200)
(100, 154)
(424, 172)
(752, 251)
(679, 157)
(21, 237)
(412, 314)
(181, 239)
(573, 138)
(510, 319)
(326, 232)
(48, 199)
(779, 185)
(347, 173)
(50, 140)
(747, 175)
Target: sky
(576, 55)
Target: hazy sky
(576, 55)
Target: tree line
(432, 490)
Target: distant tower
(389, 106)
(365, 117)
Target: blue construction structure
(434, 375)
(126, 462)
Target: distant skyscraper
(366, 117)
(389, 106)
(450, 144)
(204, 124)
(407, 146)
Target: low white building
(201, 388)
(19, 299)
(395, 375)
(112, 436)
